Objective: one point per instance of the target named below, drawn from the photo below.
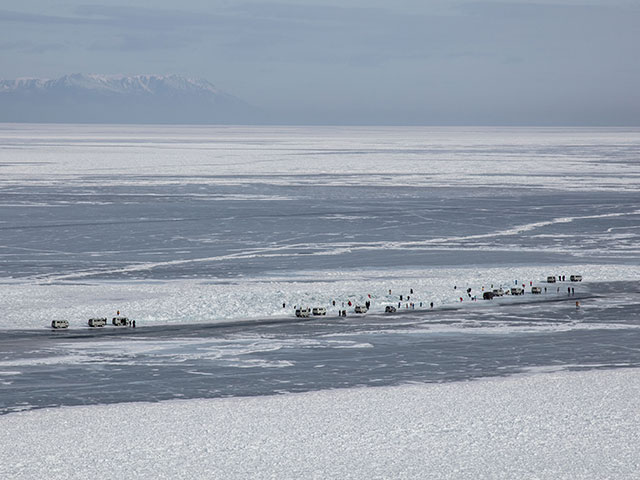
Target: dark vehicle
(536, 290)
(575, 278)
(488, 296)
(551, 279)
(390, 309)
(120, 321)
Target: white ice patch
(548, 426)
(27, 305)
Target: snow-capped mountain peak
(116, 84)
(120, 99)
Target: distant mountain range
(81, 98)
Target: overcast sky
(359, 61)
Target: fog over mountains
(81, 98)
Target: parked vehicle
(498, 292)
(575, 278)
(536, 290)
(59, 323)
(97, 322)
(319, 311)
(551, 279)
(517, 291)
(120, 321)
(487, 296)
(361, 309)
(303, 312)
(390, 309)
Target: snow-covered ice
(29, 305)
(569, 425)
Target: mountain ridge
(119, 98)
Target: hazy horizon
(549, 63)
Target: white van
(97, 322)
(498, 292)
(59, 323)
(302, 312)
(319, 311)
(361, 309)
(517, 291)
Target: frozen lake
(202, 233)
(89, 203)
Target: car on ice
(551, 279)
(97, 322)
(303, 312)
(389, 309)
(536, 290)
(360, 309)
(488, 296)
(120, 321)
(575, 278)
(319, 311)
(59, 323)
(517, 291)
(498, 292)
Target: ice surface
(201, 233)
(203, 224)
(579, 425)
(563, 158)
(27, 305)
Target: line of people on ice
(404, 300)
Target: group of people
(342, 312)
(408, 304)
